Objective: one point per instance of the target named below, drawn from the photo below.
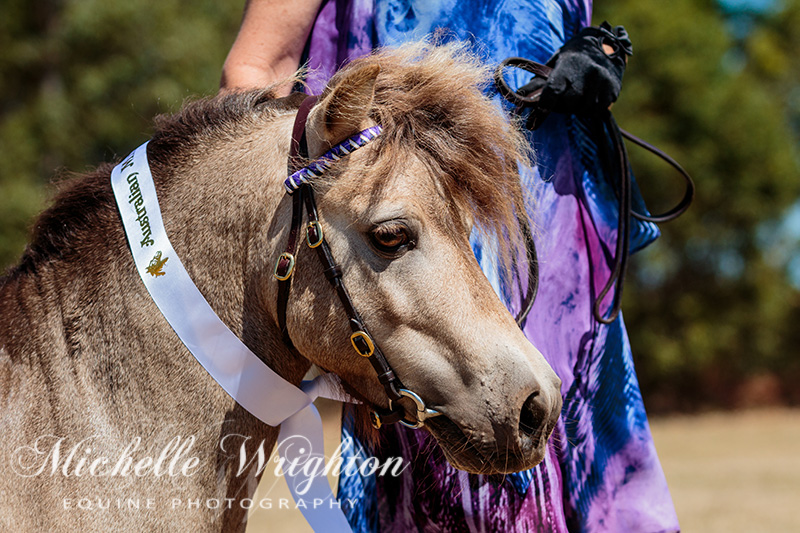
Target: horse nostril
(532, 415)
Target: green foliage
(705, 310)
(82, 79)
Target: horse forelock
(430, 101)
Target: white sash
(250, 382)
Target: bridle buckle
(362, 343)
(375, 419)
(315, 228)
(284, 266)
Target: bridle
(299, 187)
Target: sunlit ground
(274, 488)
(732, 473)
(728, 473)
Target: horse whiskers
(560, 440)
(569, 421)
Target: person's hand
(587, 72)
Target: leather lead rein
(621, 167)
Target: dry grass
(733, 472)
(277, 520)
(728, 472)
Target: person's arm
(270, 43)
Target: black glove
(585, 78)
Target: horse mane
(84, 204)
(429, 99)
(223, 116)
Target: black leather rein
(621, 167)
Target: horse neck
(227, 216)
(91, 310)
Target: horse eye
(391, 238)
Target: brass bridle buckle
(314, 234)
(284, 266)
(423, 413)
(375, 419)
(362, 343)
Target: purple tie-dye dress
(601, 473)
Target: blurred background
(712, 308)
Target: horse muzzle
(496, 441)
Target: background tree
(81, 80)
(707, 312)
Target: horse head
(398, 215)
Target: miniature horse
(91, 374)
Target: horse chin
(486, 458)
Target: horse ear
(344, 111)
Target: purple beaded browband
(320, 165)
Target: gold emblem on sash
(156, 265)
